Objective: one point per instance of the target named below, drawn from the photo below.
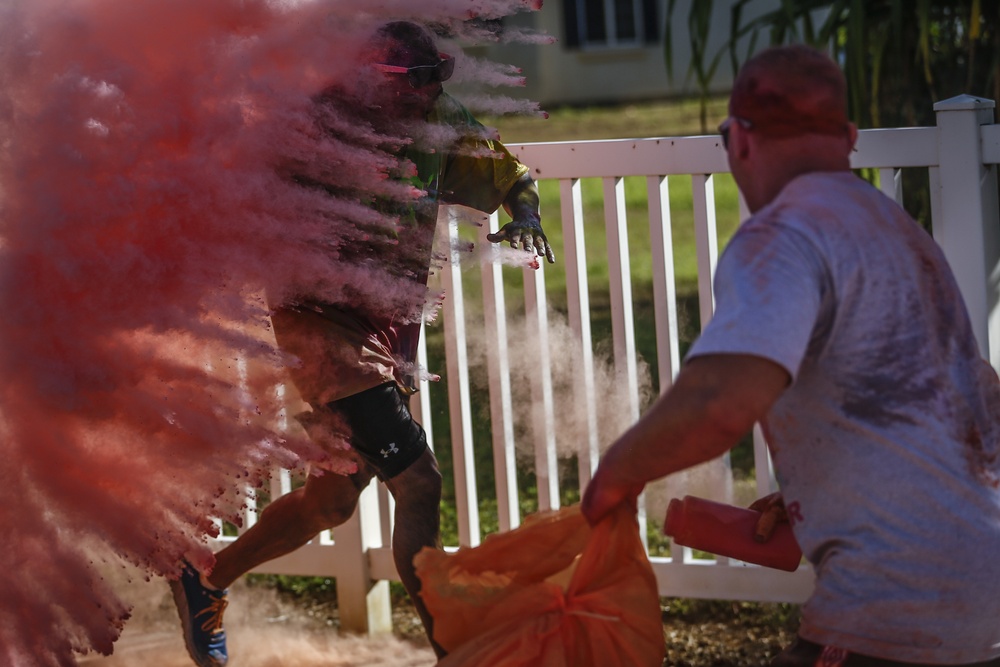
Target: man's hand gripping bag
(554, 593)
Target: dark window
(610, 23)
(594, 21)
(625, 21)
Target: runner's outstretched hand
(526, 235)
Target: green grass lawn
(666, 118)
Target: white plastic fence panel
(501, 405)
(578, 307)
(542, 400)
(620, 279)
(459, 401)
(420, 404)
(891, 183)
(664, 285)
(990, 143)
(706, 242)
(358, 554)
(967, 229)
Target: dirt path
(262, 630)
(269, 630)
(269, 647)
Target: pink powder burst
(146, 219)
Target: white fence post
(363, 604)
(578, 311)
(501, 400)
(542, 397)
(459, 401)
(966, 224)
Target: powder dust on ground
(697, 633)
(264, 629)
(270, 628)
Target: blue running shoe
(201, 609)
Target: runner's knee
(420, 483)
(328, 501)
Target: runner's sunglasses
(421, 75)
(726, 124)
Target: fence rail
(959, 155)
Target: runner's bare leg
(326, 501)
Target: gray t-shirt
(887, 443)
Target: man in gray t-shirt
(840, 327)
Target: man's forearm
(522, 200)
(682, 429)
(713, 403)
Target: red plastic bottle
(726, 530)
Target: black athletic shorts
(382, 428)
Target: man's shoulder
(831, 189)
(814, 200)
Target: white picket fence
(960, 155)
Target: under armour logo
(392, 450)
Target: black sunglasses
(728, 123)
(422, 75)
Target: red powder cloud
(143, 217)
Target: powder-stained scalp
(405, 43)
(791, 90)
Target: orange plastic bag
(552, 593)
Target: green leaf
(923, 12)
(668, 40)
(835, 21)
